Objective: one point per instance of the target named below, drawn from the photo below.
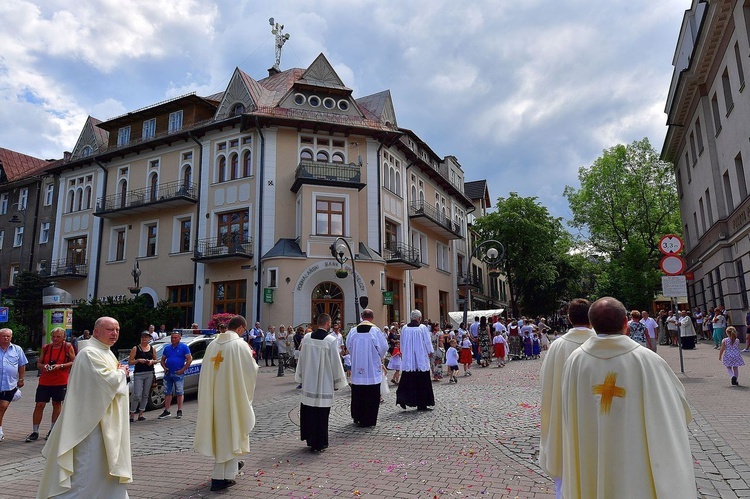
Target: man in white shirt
(652, 329)
(367, 347)
(500, 327)
(414, 385)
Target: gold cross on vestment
(217, 359)
(608, 390)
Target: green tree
(536, 252)
(25, 306)
(626, 202)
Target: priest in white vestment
(320, 372)
(414, 385)
(225, 403)
(616, 396)
(88, 451)
(550, 446)
(367, 346)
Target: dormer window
(175, 121)
(238, 109)
(123, 136)
(86, 151)
(149, 128)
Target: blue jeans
(174, 381)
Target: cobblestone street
(480, 441)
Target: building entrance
(327, 298)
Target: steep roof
(17, 166)
(477, 189)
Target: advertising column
(58, 312)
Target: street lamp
(338, 251)
(19, 209)
(492, 257)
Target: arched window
(306, 155)
(413, 193)
(397, 190)
(421, 197)
(234, 166)
(238, 109)
(337, 158)
(87, 198)
(321, 157)
(385, 176)
(222, 168)
(247, 163)
(79, 198)
(187, 177)
(153, 184)
(123, 193)
(392, 179)
(71, 200)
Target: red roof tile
(18, 166)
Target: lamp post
(18, 209)
(338, 248)
(492, 256)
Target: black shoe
(179, 415)
(221, 484)
(240, 464)
(33, 436)
(734, 382)
(403, 406)
(48, 434)
(164, 414)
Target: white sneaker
(2, 437)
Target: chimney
(273, 71)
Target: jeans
(141, 389)
(174, 382)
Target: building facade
(231, 203)
(708, 119)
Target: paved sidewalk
(480, 441)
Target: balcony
(165, 195)
(328, 174)
(402, 256)
(424, 215)
(223, 249)
(475, 284)
(65, 269)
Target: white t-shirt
(651, 326)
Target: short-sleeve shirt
(10, 361)
(175, 356)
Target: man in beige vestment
(88, 451)
(550, 447)
(616, 395)
(225, 403)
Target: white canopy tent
(458, 317)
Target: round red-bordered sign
(671, 244)
(673, 265)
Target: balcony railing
(402, 255)
(421, 209)
(71, 269)
(319, 173)
(224, 248)
(139, 199)
(474, 282)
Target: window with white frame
(123, 136)
(149, 235)
(322, 149)
(117, 242)
(18, 237)
(44, 232)
(13, 275)
(273, 277)
(175, 121)
(49, 194)
(443, 258)
(2, 238)
(181, 234)
(149, 128)
(419, 242)
(3, 203)
(329, 217)
(23, 198)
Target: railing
(423, 208)
(403, 252)
(335, 172)
(216, 247)
(65, 267)
(473, 281)
(138, 197)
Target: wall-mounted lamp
(372, 282)
(288, 280)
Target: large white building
(230, 203)
(708, 119)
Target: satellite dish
(270, 21)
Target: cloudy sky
(522, 92)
